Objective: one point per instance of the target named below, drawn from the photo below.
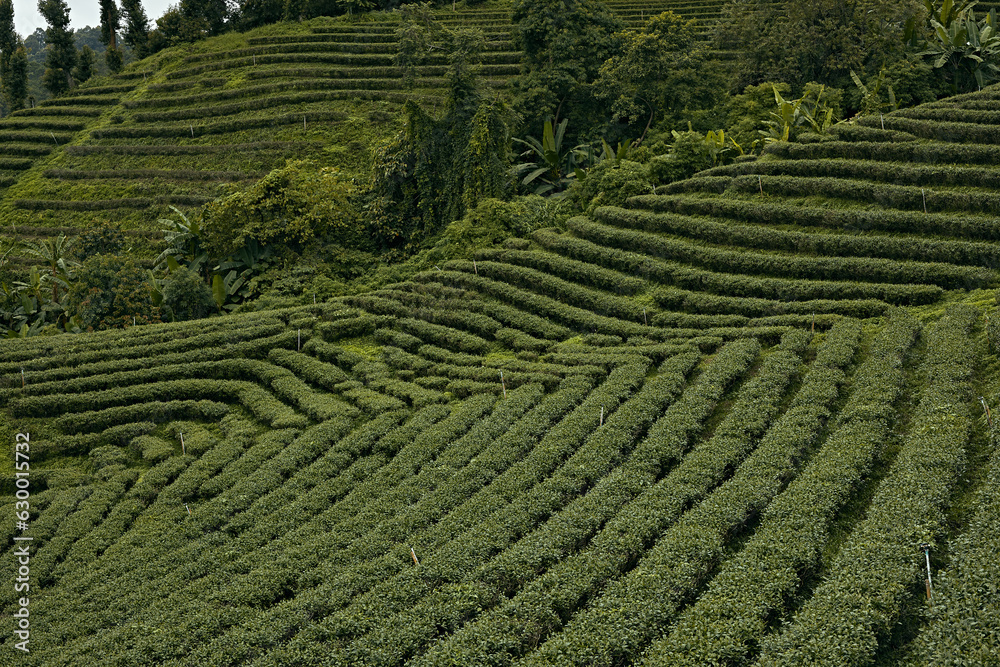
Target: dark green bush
(186, 296)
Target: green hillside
(734, 420)
(182, 127)
(694, 430)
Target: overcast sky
(81, 13)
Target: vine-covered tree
(61, 56)
(136, 27)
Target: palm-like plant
(552, 169)
(183, 239)
(54, 251)
(966, 47)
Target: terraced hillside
(697, 430)
(190, 122)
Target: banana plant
(183, 239)
(966, 46)
(795, 113)
(552, 169)
(54, 251)
(871, 98)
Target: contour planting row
(732, 284)
(542, 585)
(734, 611)
(669, 567)
(855, 609)
(760, 236)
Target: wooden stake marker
(503, 384)
(183, 448)
(414, 554)
(927, 556)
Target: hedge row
(379, 73)
(568, 269)
(858, 605)
(113, 353)
(767, 238)
(352, 50)
(109, 204)
(967, 133)
(341, 60)
(562, 290)
(889, 196)
(749, 590)
(571, 472)
(872, 132)
(82, 100)
(255, 581)
(818, 321)
(32, 150)
(48, 138)
(456, 537)
(29, 123)
(622, 619)
(330, 91)
(159, 149)
(736, 285)
(905, 222)
(506, 633)
(222, 127)
(933, 153)
(896, 173)
(148, 174)
(702, 303)
(963, 618)
(956, 114)
(158, 411)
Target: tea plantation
(734, 421)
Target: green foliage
(610, 183)
(61, 55)
(136, 27)
(111, 291)
(689, 154)
(966, 50)
(186, 296)
(291, 205)
(816, 110)
(815, 40)
(661, 75)
(564, 45)
(102, 239)
(553, 167)
(410, 197)
(85, 65)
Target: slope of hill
(180, 128)
(694, 430)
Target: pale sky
(81, 14)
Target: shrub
(610, 183)
(112, 292)
(186, 296)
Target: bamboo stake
(986, 411)
(760, 183)
(927, 556)
(22, 378)
(644, 320)
(188, 509)
(602, 415)
(414, 554)
(475, 267)
(299, 348)
(924, 196)
(503, 384)
(882, 118)
(183, 448)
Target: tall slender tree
(15, 87)
(111, 23)
(8, 41)
(136, 27)
(61, 56)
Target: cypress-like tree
(85, 66)
(111, 23)
(136, 27)
(8, 41)
(15, 84)
(61, 56)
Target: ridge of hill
(724, 423)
